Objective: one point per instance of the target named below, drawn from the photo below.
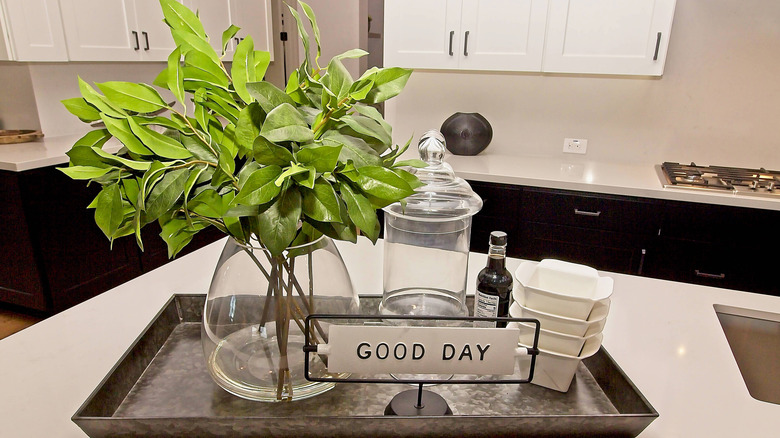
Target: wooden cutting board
(18, 135)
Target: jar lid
(443, 196)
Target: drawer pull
(706, 275)
(579, 212)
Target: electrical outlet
(575, 145)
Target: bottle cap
(498, 238)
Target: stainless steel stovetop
(737, 180)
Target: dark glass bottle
(494, 283)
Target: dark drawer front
(601, 212)
(600, 249)
(712, 264)
(717, 223)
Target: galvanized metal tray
(161, 388)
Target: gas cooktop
(737, 180)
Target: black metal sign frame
(312, 348)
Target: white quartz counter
(664, 335)
(566, 171)
(576, 172)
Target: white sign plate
(421, 350)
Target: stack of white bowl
(571, 302)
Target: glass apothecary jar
(426, 246)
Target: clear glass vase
(252, 332)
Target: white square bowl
(551, 341)
(576, 294)
(556, 371)
(561, 324)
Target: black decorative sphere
(467, 133)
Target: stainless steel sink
(754, 338)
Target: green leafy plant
(238, 153)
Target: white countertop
(664, 335)
(576, 172)
(47, 151)
(566, 171)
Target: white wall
(17, 108)
(717, 103)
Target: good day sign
(423, 350)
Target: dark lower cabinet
(689, 242)
(53, 255)
(717, 246)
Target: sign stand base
(418, 403)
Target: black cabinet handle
(579, 212)
(452, 34)
(642, 262)
(466, 44)
(137, 46)
(657, 46)
(712, 276)
(146, 40)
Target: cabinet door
(502, 34)
(422, 34)
(35, 30)
(154, 35)
(99, 30)
(607, 36)
(254, 18)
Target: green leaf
(98, 101)
(383, 183)
(262, 61)
(198, 149)
(96, 138)
(84, 172)
(109, 211)
(322, 158)
(304, 36)
(351, 54)
(268, 153)
(353, 149)
(175, 81)
(200, 67)
(293, 170)
(250, 119)
(226, 161)
(416, 163)
(81, 109)
(210, 204)
(337, 79)
(191, 42)
(361, 212)
(85, 156)
(267, 95)
(140, 98)
(278, 224)
(228, 35)
(259, 187)
(242, 70)
(315, 29)
(115, 160)
(321, 203)
(388, 82)
(180, 18)
(410, 178)
(151, 177)
(165, 193)
(131, 187)
(285, 123)
(369, 129)
(160, 144)
(120, 128)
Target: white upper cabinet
(252, 16)
(607, 36)
(465, 34)
(33, 31)
(557, 36)
(116, 30)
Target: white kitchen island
(664, 335)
